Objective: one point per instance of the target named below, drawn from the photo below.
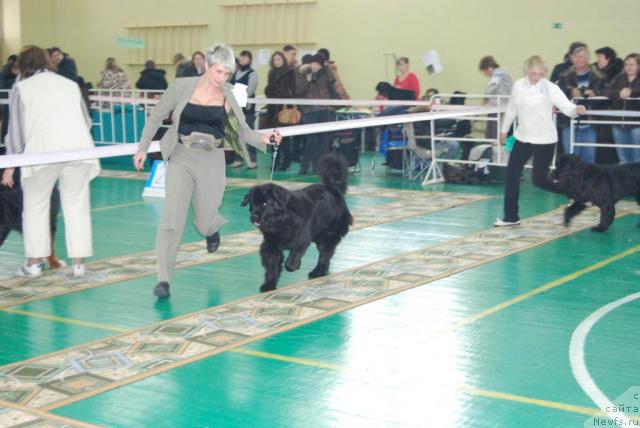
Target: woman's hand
(625, 93)
(275, 135)
(7, 177)
(503, 139)
(138, 160)
(581, 110)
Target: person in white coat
(49, 115)
(532, 100)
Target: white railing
(434, 172)
(606, 114)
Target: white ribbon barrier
(32, 159)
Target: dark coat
(280, 85)
(152, 78)
(569, 81)
(614, 68)
(618, 83)
(321, 87)
(68, 68)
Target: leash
(275, 155)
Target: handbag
(289, 115)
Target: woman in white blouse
(49, 115)
(532, 100)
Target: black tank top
(205, 119)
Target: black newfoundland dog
(11, 216)
(602, 185)
(292, 220)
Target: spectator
(581, 80)
(63, 64)
(339, 90)
(291, 54)
(532, 101)
(281, 85)
(113, 77)
(7, 79)
(608, 63)
(246, 75)
(183, 66)
(500, 83)
(624, 86)
(152, 78)
(405, 79)
(316, 83)
(195, 67)
(299, 142)
(564, 66)
(48, 115)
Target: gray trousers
(191, 173)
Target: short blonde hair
(535, 61)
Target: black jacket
(614, 68)
(68, 69)
(152, 78)
(618, 83)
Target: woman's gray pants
(191, 172)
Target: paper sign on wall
(431, 61)
(264, 56)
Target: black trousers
(522, 152)
(317, 144)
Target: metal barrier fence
(607, 119)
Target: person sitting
(152, 78)
(113, 77)
(63, 64)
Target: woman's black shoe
(162, 290)
(213, 242)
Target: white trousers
(74, 178)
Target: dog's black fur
(292, 220)
(11, 215)
(602, 185)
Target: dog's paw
(317, 272)
(267, 287)
(599, 228)
(292, 265)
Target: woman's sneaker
(502, 223)
(32, 271)
(79, 271)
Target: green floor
(431, 356)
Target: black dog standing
(292, 220)
(602, 185)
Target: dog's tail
(333, 172)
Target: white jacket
(533, 106)
(47, 114)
